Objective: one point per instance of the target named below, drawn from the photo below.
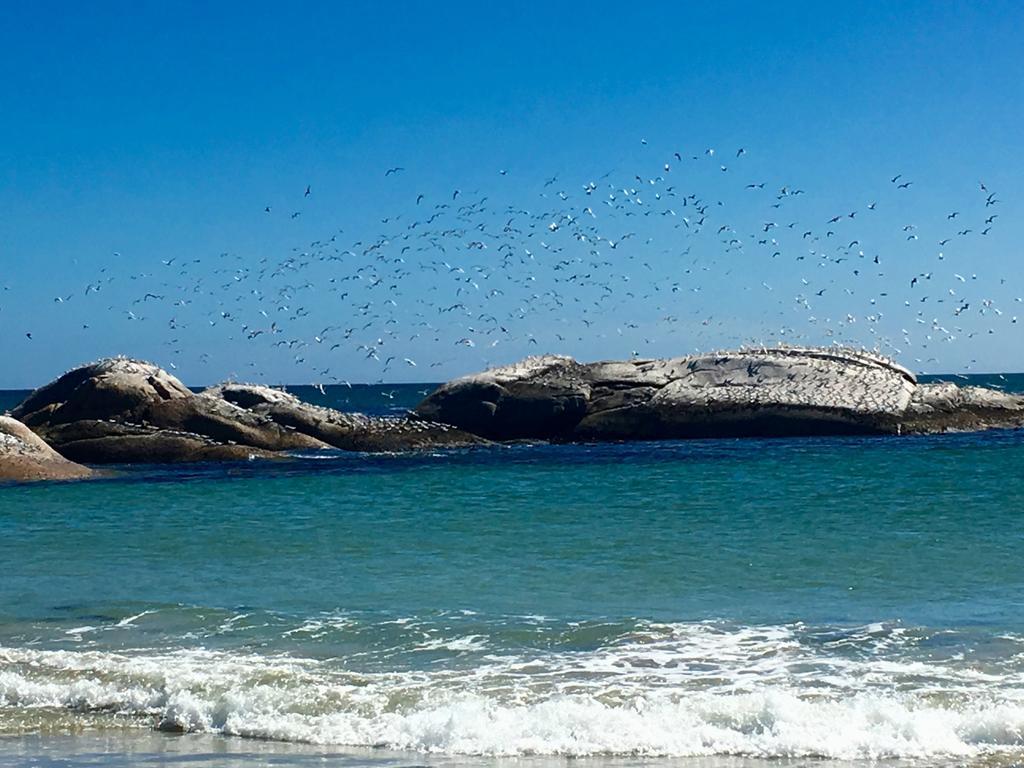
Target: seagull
(396, 169)
(308, 191)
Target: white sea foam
(128, 621)
(672, 690)
(81, 630)
(465, 643)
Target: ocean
(708, 604)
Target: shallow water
(705, 603)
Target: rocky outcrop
(24, 456)
(947, 407)
(760, 392)
(129, 411)
(347, 431)
(122, 410)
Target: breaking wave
(881, 691)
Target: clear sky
(141, 144)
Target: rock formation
(122, 410)
(760, 392)
(348, 431)
(946, 407)
(129, 411)
(25, 456)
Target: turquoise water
(684, 603)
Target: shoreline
(129, 747)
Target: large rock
(947, 407)
(348, 431)
(121, 410)
(540, 397)
(129, 411)
(25, 456)
(761, 392)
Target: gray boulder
(347, 431)
(24, 456)
(750, 392)
(947, 407)
(122, 410)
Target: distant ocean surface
(712, 604)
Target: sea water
(703, 603)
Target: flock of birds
(637, 263)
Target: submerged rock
(25, 456)
(760, 392)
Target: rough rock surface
(348, 431)
(129, 411)
(947, 407)
(25, 456)
(122, 410)
(761, 392)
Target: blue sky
(142, 142)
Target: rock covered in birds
(749, 392)
(123, 410)
(24, 456)
(97, 390)
(947, 407)
(347, 431)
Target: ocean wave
(656, 690)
